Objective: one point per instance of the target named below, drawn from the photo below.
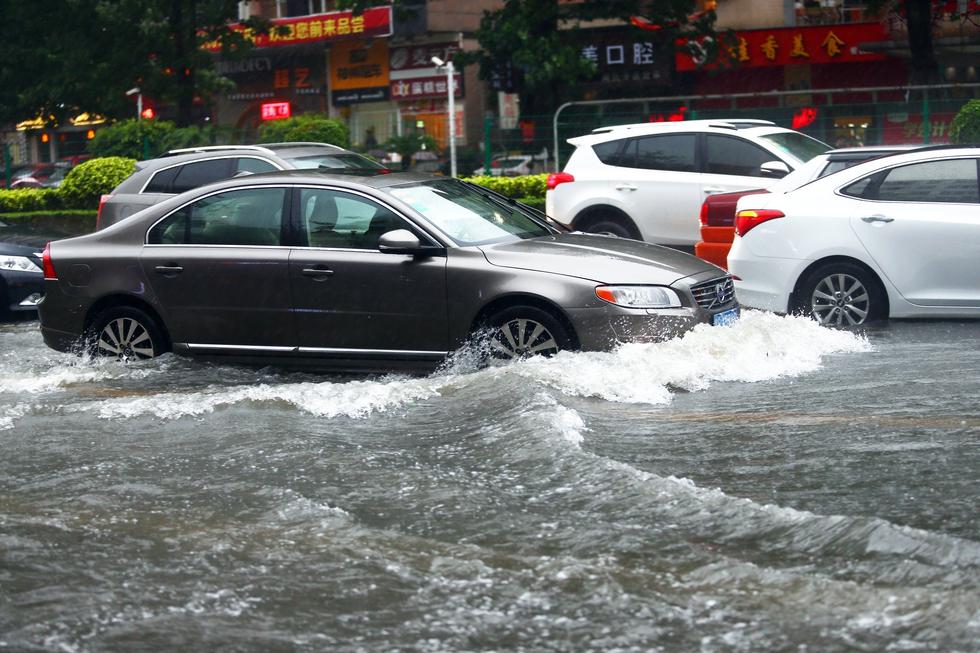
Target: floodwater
(773, 485)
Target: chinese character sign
(798, 45)
(276, 110)
(336, 25)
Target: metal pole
(487, 127)
(452, 118)
(139, 106)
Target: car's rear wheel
(126, 333)
(522, 331)
(842, 294)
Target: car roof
(280, 150)
(301, 177)
(603, 134)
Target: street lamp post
(139, 101)
(450, 81)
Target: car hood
(604, 259)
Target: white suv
(647, 181)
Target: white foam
(759, 347)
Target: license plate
(725, 317)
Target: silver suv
(181, 170)
(647, 181)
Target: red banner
(794, 45)
(332, 26)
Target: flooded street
(773, 485)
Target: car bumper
(766, 284)
(603, 329)
(23, 290)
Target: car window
(673, 152)
(726, 155)
(332, 218)
(953, 180)
(609, 152)
(795, 144)
(162, 181)
(861, 188)
(199, 173)
(334, 161)
(239, 217)
(253, 165)
(466, 215)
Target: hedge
(20, 200)
(85, 183)
(528, 186)
(306, 128)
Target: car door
(351, 300)
(731, 163)
(220, 272)
(921, 224)
(657, 179)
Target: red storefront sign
(276, 110)
(332, 26)
(911, 128)
(793, 45)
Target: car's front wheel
(841, 294)
(522, 331)
(126, 333)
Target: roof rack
(218, 148)
(300, 144)
(734, 123)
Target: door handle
(168, 270)
(713, 191)
(877, 218)
(625, 187)
(318, 272)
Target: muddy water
(768, 486)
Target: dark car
(21, 278)
(181, 170)
(363, 273)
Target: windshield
(797, 145)
(334, 161)
(466, 215)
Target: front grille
(709, 295)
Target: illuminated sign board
(276, 110)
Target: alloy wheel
(520, 338)
(840, 299)
(125, 338)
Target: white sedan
(897, 236)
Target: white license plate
(725, 317)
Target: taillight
(556, 178)
(704, 213)
(98, 216)
(47, 264)
(745, 221)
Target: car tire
(608, 226)
(522, 331)
(841, 294)
(126, 333)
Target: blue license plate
(725, 317)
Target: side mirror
(776, 169)
(403, 241)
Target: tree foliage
(533, 42)
(62, 57)
(965, 128)
(305, 128)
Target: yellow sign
(358, 65)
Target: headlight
(639, 296)
(18, 263)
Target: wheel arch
(523, 299)
(808, 270)
(592, 214)
(117, 300)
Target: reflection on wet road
(767, 486)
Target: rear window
(162, 181)
(799, 146)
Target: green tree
(67, 56)
(966, 125)
(534, 42)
